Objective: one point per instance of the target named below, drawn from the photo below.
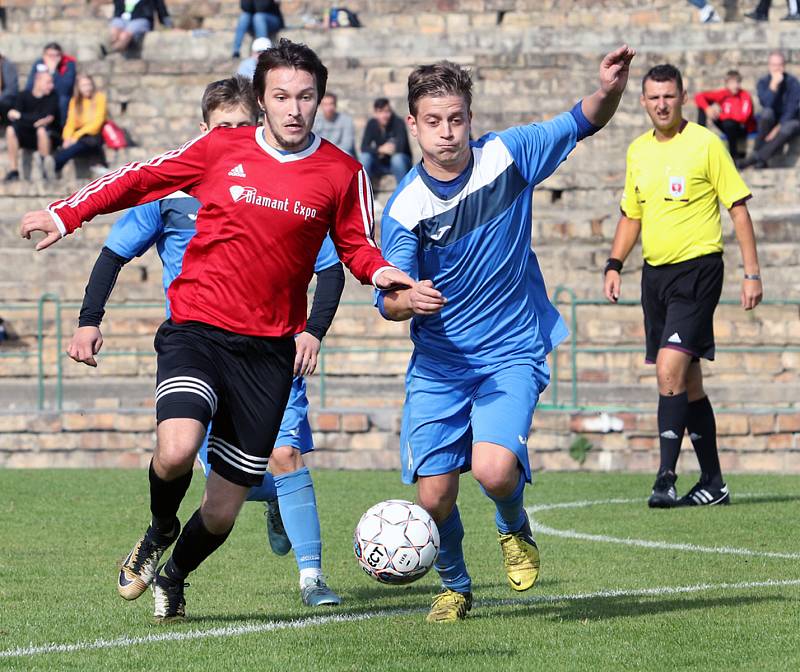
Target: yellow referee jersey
(674, 187)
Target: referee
(676, 175)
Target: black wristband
(612, 265)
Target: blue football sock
(265, 492)
(450, 562)
(299, 512)
(510, 514)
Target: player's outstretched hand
(305, 361)
(611, 286)
(425, 299)
(615, 68)
(85, 344)
(40, 220)
(752, 293)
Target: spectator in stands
(132, 20)
(260, 18)
(707, 12)
(731, 110)
(82, 132)
(9, 87)
(34, 124)
(62, 68)
(779, 121)
(247, 68)
(384, 147)
(761, 12)
(334, 126)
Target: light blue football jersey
(169, 224)
(476, 248)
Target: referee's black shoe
(170, 605)
(705, 493)
(664, 495)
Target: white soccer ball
(396, 542)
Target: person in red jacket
(270, 195)
(731, 110)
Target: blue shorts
(448, 409)
(295, 430)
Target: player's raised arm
(614, 69)
(130, 185)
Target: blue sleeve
(585, 127)
(538, 149)
(136, 231)
(791, 101)
(401, 248)
(765, 96)
(327, 256)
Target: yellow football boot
(449, 607)
(520, 557)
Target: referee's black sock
(672, 412)
(703, 431)
(165, 498)
(194, 545)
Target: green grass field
(600, 605)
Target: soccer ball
(396, 542)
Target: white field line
(270, 626)
(541, 528)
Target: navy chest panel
(472, 212)
(179, 213)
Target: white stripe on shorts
(237, 458)
(188, 384)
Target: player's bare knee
(496, 482)
(437, 499)
(218, 517)
(285, 460)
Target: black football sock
(194, 545)
(165, 499)
(703, 432)
(672, 412)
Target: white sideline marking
(541, 528)
(270, 626)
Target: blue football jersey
(475, 246)
(169, 224)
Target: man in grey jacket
(335, 127)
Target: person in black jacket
(260, 18)
(34, 124)
(9, 87)
(384, 147)
(132, 19)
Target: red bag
(114, 136)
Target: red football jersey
(263, 220)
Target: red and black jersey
(262, 223)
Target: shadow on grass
(605, 608)
(763, 499)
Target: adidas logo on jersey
(675, 338)
(237, 171)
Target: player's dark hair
(664, 73)
(288, 54)
(734, 74)
(53, 45)
(228, 93)
(440, 79)
(380, 103)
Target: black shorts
(27, 138)
(241, 383)
(679, 301)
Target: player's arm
(327, 294)
(599, 107)
(131, 236)
(421, 298)
(131, 185)
(353, 234)
(752, 289)
(625, 238)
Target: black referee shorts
(241, 383)
(679, 301)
